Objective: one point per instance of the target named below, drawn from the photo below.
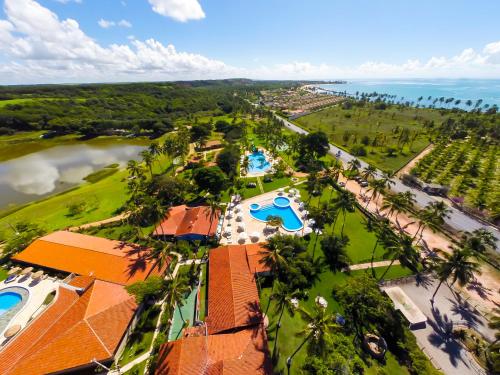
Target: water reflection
(57, 169)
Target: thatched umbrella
(37, 275)
(12, 331)
(13, 271)
(26, 271)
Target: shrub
(358, 150)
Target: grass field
(288, 340)
(142, 336)
(380, 124)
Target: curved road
(457, 220)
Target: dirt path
(413, 162)
(100, 222)
(364, 266)
(483, 294)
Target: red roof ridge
(98, 337)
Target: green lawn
(276, 183)
(142, 336)
(361, 242)
(288, 339)
(3, 274)
(335, 121)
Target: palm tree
(215, 207)
(383, 231)
(272, 258)
(479, 241)
(245, 165)
(344, 202)
(387, 181)
(393, 204)
(160, 251)
(433, 216)
(274, 221)
(320, 217)
(377, 187)
(155, 149)
(282, 296)
(401, 248)
(176, 292)
(456, 266)
(148, 159)
(312, 185)
(319, 325)
(354, 165)
(369, 172)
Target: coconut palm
(400, 247)
(272, 258)
(321, 218)
(354, 165)
(282, 297)
(176, 293)
(479, 241)
(392, 204)
(160, 251)
(383, 231)
(458, 266)
(245, 165)
(377, 187)
(215, 208)
(369, 172)
(344, 202)
(148, 159)
(274, 221)
(387, 181)
(319, 325)
(433, 216)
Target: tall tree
(283, 301)
(456, 266)
(345, 202)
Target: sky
(70, 41)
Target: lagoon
(54, 170)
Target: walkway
(448, 310)
(364, 266)
(100, 222)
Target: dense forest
(136, 108)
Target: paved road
(457, 220)
(447, 312)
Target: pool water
(8, 300)
(280, 207)
(257, 162)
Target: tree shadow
(480, 289)
(442, 337)
(465, 311)
(423, 280)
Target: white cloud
(124, 23)
(39, 47)
(69, 1)
(179, 10)
(42, 48)
(105, 24)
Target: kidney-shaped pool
(280, 207)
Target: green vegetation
(3, 274)
(140, 340)
(469, 168)
(203, 293)
(100, 174)
(387, 138)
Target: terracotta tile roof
(183, 220)
(77, 253)
(233, 300)
(254, 257)
(72, 331)
(241, 353)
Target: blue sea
(464, 89)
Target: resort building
(107, 260)
(233, 339)
(88, 321)
(189, 223)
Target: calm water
(257, 162)
(59, 168)
(291, 221)
(411, 90)
(8, 300)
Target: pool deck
(253, 225)
(38, 291)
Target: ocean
(460, 89)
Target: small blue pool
(8, 300)
(257, 162)
(280, 207)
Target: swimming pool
(258, 163)
(8, 300)
(280, 207)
